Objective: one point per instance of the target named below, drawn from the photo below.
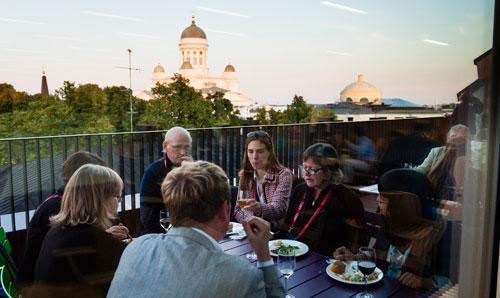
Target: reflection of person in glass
(445, 165)
(269, 183)
(405, 242)
(323, 213)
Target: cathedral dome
(229, 68)
(186, 65)
(361, 92)
(158, 68)
(193, 31)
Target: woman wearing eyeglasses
(323, 213)
(78, 257)
(267, 182)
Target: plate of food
(287, 247)
(347, 272)
(235, 228)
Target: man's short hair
(195, 192)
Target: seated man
(187, 261)
(177, 148)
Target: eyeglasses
(309, 171)
(258, 134)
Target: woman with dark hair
(406, 241)
(408, 180)
(267, 182)
(324, 213)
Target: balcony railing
(30, 167)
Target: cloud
(461, 30)
(435, 42)
(229, 13)
(339, 53)
(111, 16)
(90, 49)
(21, 21)
(380, 36)
(59, 37)
(225, 32)
(343, 7)
(347, 28)
(138, 35)
(24, 51)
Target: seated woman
(78, 257)
(39, 224)
(323, 213)
(267, 182)
(406, 241)
(408, 180)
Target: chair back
(7, 280)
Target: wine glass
(286, 265)
(366, 264)
(243, 200)
(165, 220)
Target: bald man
(177, 146)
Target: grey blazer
(184, 263)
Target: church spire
(192, 20)
(45, 86)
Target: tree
(178, 104)
(223, 110)
(323, 114)
(11, 100)
(299, 111)
(261, 116)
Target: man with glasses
(177, 148)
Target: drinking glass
(243, 200)
(366, 264)
(286, 265)
(165, 220)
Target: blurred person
(408, 150)
(268, 182)
(406, 242)
(444, 165)
(192, 264)
(362, 155)
(324, 213)
(177, 147)
(78, 257)
(39, 224)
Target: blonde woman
(78, 257)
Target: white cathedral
(193, 47)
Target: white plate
(237, 229)
(303, 248)
(350, 268)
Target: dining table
(311, 280)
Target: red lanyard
(165, 161)
(301, 205)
